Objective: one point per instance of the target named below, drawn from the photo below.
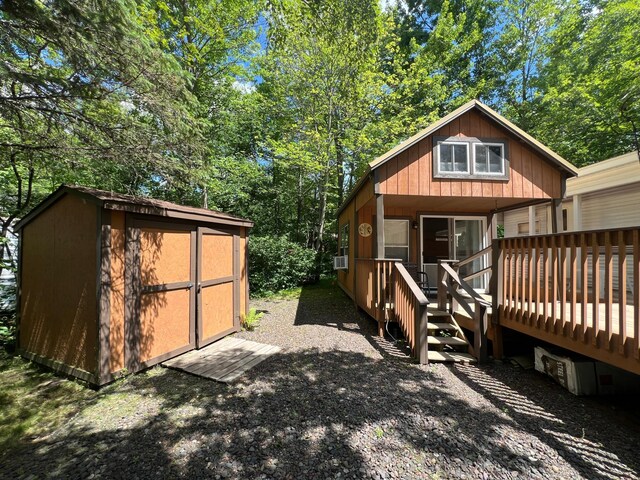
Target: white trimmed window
(488, 158)
(453, 157)
(470, 158)
(396, 239)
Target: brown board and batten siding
(410, 172)
(111, 282)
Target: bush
(251, 320)
(275, 264)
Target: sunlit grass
(34, 402)
(319, 288)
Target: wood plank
(573, 265)
(536, 272)
(595, 269)
(545, 305)
(450, 357)
(636, 293)
(608, 288)
(516, 281)
(222, 370)
(563, 283)
(247, 366)
(622, 292)
(554, 283)
(584, 285)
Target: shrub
(275, 264)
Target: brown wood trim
(199, 328)
(216, 337)
(158, 211)
(246, 271)
(380, 226)
(132, 296)
(219, 231)
(104, 293)
(146, 222)
(166, 287)
(356, 241)
(236, 281)
(19, 291)
(60, 367)
(217, 281)
(193, 298)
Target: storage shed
(109, 282)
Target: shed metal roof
(135, 204)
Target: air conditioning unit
(341, 262)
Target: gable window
(344, 240)
(488, 158)
(469, 158)
(453, 157)
(396, 239)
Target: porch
(579, 291)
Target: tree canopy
(272, 109)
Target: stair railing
(410, 311)
(449, 297)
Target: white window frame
(399, 246)
(502, 158)
(454, 172)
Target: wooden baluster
(584, 285)
(516, 281)
(622, 292)
(545, 261)
(536, 273)
(636, 293)
(608, 288)
(595, 286)
(508, 265)
(574, 284)
(554, 284)
(524, 314)
(530, 274)
(563, 284)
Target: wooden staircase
(447, 343)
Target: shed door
(218, 284)
(162, 291)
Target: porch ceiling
(456, 204)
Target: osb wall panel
(164, 322)
(345, 277)
(116, 327)
(217, 309)
(243, 271)
(58, 301)
(164, 256)
(411, 172)
(217, 256)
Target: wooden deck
(224, 360)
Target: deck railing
(373, 292)
(583, 286)
(409, 305)
(453, 290)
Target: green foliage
(251, 320)
(276, 263)
(7, 331)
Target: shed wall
(411, 172)
(116, 326)
(58, 317)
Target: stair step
(455, 357)
(431, 340)
(440, 326)
(434, 312)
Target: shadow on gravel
(331, 307)
(597, 449)
(309, 414)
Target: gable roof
(130, 203)
(543, 150)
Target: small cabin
(109, 283)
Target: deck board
(224, 361)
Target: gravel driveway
(336, 403)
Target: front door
(452, 238)
(218, 284)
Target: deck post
(480, 333)
(497, 291)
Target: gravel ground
(336, 403)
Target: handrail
(409, 306)
(465, 286)
(477, 274)
(475, 256)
